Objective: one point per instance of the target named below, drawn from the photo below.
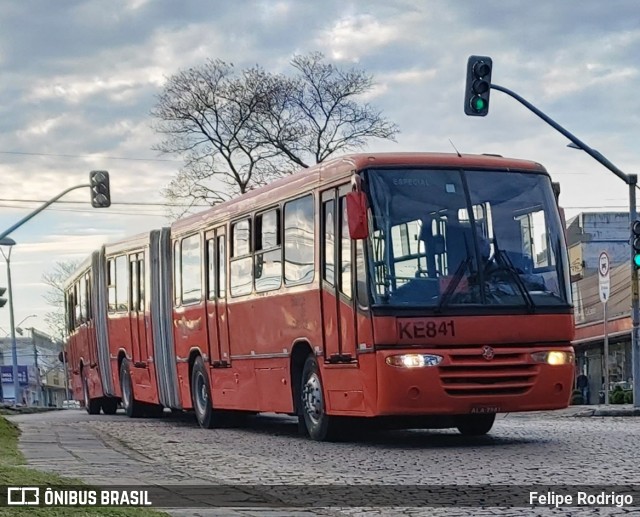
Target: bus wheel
(475, 425)
(320, 426)
(91, 405)
(109, 406)
(201, 395)
(131, 406)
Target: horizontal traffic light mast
(100, 198)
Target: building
(40, 373)
(589, 234)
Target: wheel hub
(126, 391)
(202, 397)
(312, 397)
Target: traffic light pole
(14, 347)
(38, 210)
(635, 306)
(632, 181)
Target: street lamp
(25, 319)
(9, 242)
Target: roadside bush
(617, 396)
(628, 397)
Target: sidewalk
(582, 411)
(607, 410)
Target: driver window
(535, 239)
(408, 251)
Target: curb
(606, 411)
(617, 412)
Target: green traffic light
(636, 259)
(478, 104)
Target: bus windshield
(444, 238)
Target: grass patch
(13, 473)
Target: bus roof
(338, 169)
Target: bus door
(136, 308)
(217, 318)
(338, 300)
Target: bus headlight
(553, 357)
(414, 360)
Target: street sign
(603, 275)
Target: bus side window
(241, 260)
(299, 241)
(211, 269)
(89, 311)
(268, 256)
(191, 263)
(345, 250)
(362, 292)
(122, 283)
(76, 306)
(177, 279)
(329, 236)
(133, 283)
(111, 284)
(141, 282)
(222, 268)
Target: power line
(88, 211)
(135, 203)
(24, 153)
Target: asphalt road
(522, 452)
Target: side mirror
(357, 215)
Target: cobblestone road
(521, 450)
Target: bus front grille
(501, 372)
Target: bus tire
(319, 425)
(201, 395)
(475, 425)
(109, 406)
(131, 406)
(91, 405)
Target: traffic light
(100, 194)
(3, 300)
(476, 97)
(635, 243)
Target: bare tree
(54, 296)
(238, 131)
(317, 113)
(205, 114)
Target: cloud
(80, 78)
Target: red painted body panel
(417, 391)
(248, 341)
(119, 339)
(83, 362)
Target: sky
(78, 80)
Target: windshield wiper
(508, 266)
(448, 292)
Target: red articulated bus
(418, 289)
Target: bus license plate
(484, 410)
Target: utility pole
(66, 373)
(35, 363)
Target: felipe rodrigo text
(580, 499)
